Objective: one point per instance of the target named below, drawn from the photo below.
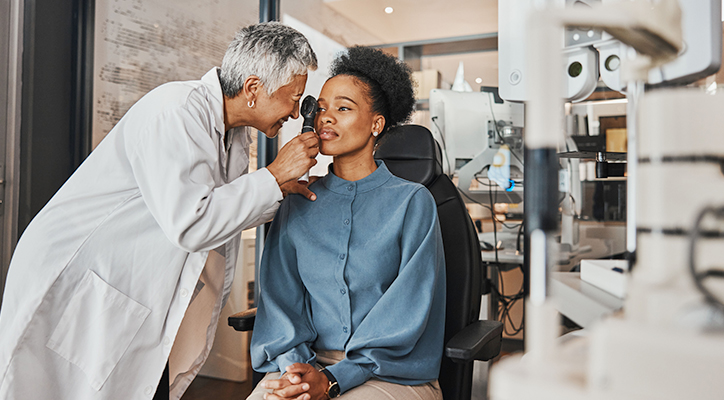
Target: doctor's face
(277, 108)
(345, 120)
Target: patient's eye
(343, 108)
(321, 109)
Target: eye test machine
(667, 339)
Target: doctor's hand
(295, 158)
(298, 187)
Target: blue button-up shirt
(362, 270)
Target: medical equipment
(590, 53)
(668, 343)
(309, 111)
(479, 136)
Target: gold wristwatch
(333, 389)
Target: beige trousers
(373, 389)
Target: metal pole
(82, 85)
(634, 92)
(544, 130)
(268, 10)
(267, 148)
(12, 46)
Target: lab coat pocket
(96, 328)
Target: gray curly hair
(272, 51)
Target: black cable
(495, 228)
(489, 185)
(517, 239)
(490, 208)
(495, 123)
(506, 304)
(573, 201)
(699, 277)
(444, 145)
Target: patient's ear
(378, 123)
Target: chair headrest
(410, 152)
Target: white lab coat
(103, 276)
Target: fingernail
(314, 197)
(305, 387)
(263, 384)
(265, 396)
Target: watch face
(333, 390)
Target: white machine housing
(462, 124)
(598, 54)
(470, 128)
(668, 341)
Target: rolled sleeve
(349, 374)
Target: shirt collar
(216, 99)
(370, 182)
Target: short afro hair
(389, 82)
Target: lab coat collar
(370, 182)
(211, 80)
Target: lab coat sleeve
(401, 338)
(173, 159)
(267, 215)
(283, 331)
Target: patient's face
(345, 120)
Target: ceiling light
(478, 80)
(389, 10)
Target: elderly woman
(128, 265)
(353, 285)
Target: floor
(203, 388)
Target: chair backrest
(410, 152)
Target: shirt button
(184, 292)
(343, 290)
(166, 340)
(346, 222)
(341, 256)
(149, 390)
(344, 329)
(350, 188)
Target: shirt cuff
(349, 374)
(272, 182)
(293, 357)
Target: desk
(581, 302)
(598, 240)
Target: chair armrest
(243, 321)
(478, 341)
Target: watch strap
(333, 389)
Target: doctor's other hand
(300, 187)
(295, 158)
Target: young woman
(353, 285)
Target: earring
(250, 104)
(375, 134)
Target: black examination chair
(410, 152)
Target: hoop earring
(250, 104)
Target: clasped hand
(300, 382)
